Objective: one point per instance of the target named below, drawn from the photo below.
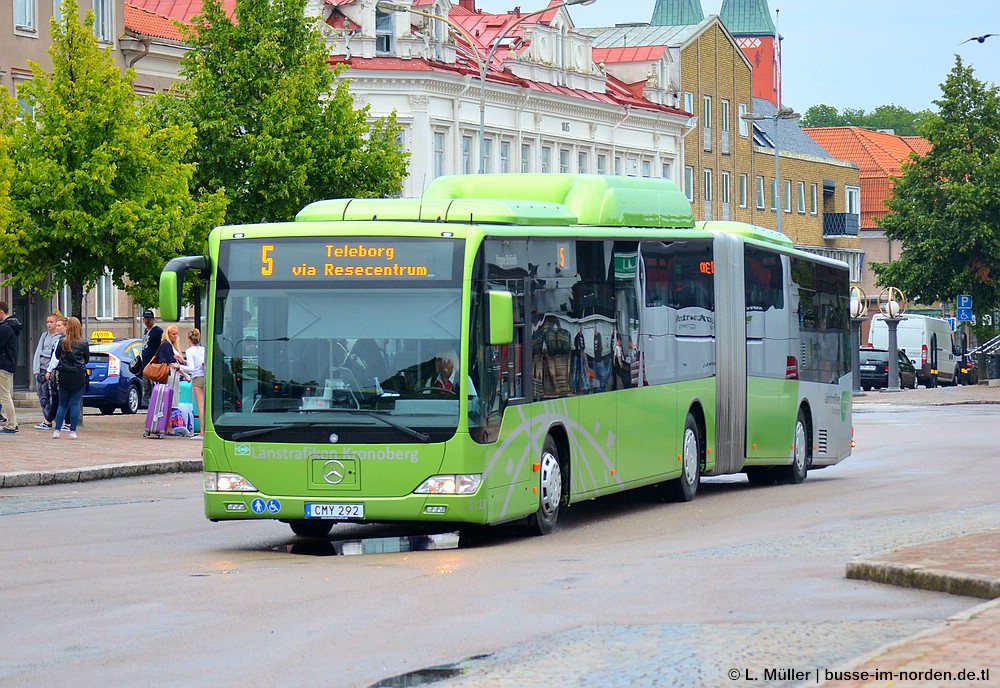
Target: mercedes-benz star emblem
(334, 472)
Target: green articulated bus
(508, 345)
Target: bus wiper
(416, 434)
(261, 431)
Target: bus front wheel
(550, 493)
(795, 473)
(684, 488)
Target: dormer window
(384, 33)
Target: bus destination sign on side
(341, 259)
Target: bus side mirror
(500, 315)
(172, 284)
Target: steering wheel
(438, 392)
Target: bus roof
(525, 199)
(748, 231)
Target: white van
(917, 335)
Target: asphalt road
(124, 582)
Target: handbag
(156, 372)
(135, 365)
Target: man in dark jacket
(151, 339)
(10, 329)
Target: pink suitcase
(158, 413)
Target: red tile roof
(878, 156)
(181, 10)
(645, 53)
(147, 23)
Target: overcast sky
(849, 53)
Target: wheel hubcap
(551, 484)
(800, 446)
(690, 457)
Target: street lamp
(481, 64)
(859, 311)
(892, 303)
(783, 113)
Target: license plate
(867, 367)
(335, 511)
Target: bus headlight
(450, 484)
(227, 482)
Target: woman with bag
(73, 353)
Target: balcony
(841, 225)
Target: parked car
(110, 384)
(874, 368)
(968, 371)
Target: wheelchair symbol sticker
(273, 506)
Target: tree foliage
(945, 209)
(95, 185)
(276, 129)
(898, 119)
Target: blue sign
(964, 301)
(273, 506)
(258, 506)
(964, 314)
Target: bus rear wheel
(550, 493)
(795, 473)
(313, 529)
(684, 488)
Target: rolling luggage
(158, 413)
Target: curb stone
(89, 473)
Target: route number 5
(267, 267)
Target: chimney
(468, 4)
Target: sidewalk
(108, 447)
(113, 446)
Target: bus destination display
(341, 259)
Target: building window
(525, 157)
(853, 201)
(505, 157)
(466, 155)
(774, 194)
(707, 191)
(438, 153)
(689, 182)
(689, 101)
(57, 10)
(788, 196)
(618, 165)
(801, 196)
(667, 171)
(647, 169)
(383, 32)
(546, 159)
(602, 164)
(760, 193)
(724, 188)
(743, 190)
(744, 125)
(24, 15)
(582, 163)
(564, 160)
(104, 294)
(724, 126)
(813, 204)
(104, 14)
(706, 124)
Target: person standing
(195, 370)
(40, 365)
(73, 353)
(151, 339)
(50, 380)
(10, 330)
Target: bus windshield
(342, 345)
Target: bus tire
(795, 472)
(550, 491)
(760, 476)
(684, 488)
(312, 528)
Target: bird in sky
(981, 39)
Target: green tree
(95, 185)
(945, 209)
(7, 109)
(898, 119)
(276, 129)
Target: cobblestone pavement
(834, 655)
